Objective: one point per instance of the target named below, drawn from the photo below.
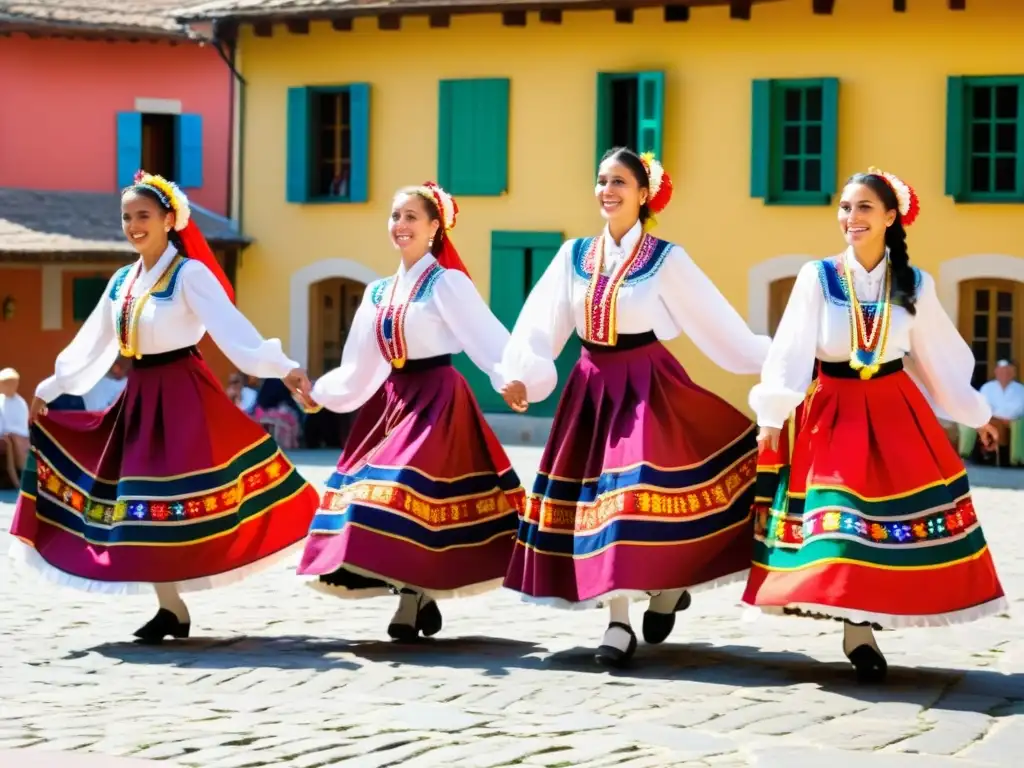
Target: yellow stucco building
(758, 110)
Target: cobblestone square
(278, 675)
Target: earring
(430, 243)
(167, 230)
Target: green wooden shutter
(829, 136)
(760, 138)
(603, 117)
(956, 136)
(129, 147)
(359, 142)
(650, 111)
(298, 157)
(473, 130)
(86, 293)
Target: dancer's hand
(37, 409)
(768, 437)
(989, 436)
(298, 384)
(515, 395)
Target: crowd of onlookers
(267, 401)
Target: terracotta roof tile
(36, 223)
(99, 15)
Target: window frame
(768, 140)
(302, 137)
(960, 139)
(652, 124)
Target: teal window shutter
(829, 135)
(129, 147)
(955, 137)
(473, 129)
(650, 111)
(761, 138)
(189, 152)
(603, 116)
(86, 293)
(298, 146)
(359, 120)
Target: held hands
(768, 437)
(515, 396)
(989, 436)
(37, 409)
(298, 384)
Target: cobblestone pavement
(281, 676)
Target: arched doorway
(991, 319)
(778, 297)
(332, 307)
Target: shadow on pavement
(972, 690)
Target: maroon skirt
(645, 485)
(173, 483)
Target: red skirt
(173, 483)
(872, 521)
(646, 484)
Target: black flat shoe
(610, 656)
(658, 626)
(164, 624)
(869, 664)
(428, 619)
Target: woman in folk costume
(172, 488)
(424, 501)
(645, 482)
(870, 521)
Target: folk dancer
(870, 521)
(424, 501)
(171, 488)
(645, 480)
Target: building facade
(92, 92)
(759, 111)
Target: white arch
(298, 297)
(981, 265)
(759, 280)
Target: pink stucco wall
(59, 100)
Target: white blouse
(816, 324)
(664, 292)
(186, 302)
(446, 316)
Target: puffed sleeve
(703, 313)
(943, 362)
(542, 329)
(789, 366)
(229, 328)
(363, 368)
(471, 321)
(88, 357)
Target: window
(630, 111)
(86, 293)
(518, 259)
(168, 145)
(794, 141)
(472, 136)
(990, 320)
(328, 144)
(984, 124)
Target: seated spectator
(240, 393)
(109, 388)
(1005, 395)
(13, 425)
(279, 414)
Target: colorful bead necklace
(390, 324)
(869, 335)
(127, 322)
(601, 305)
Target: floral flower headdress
(445, 203)
(170, 195)
(659, 183)
(906, 198)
